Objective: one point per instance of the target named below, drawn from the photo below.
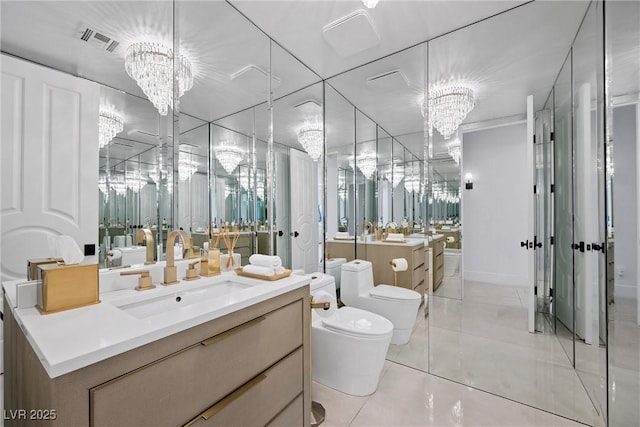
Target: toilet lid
(353, 321)
(394, 293)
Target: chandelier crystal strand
(151, 66)
(370, 3)
(448, 107)
(228, 156)
(109, 125)
(310, 137)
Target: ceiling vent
(97, 39)
(309, 107)
(254, 79)
(351, 34)
(391, 80)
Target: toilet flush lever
(323, 305)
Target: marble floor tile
(340, 408)
(407, 397)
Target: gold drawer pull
(232, 331)
(228, 400)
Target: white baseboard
(495, 278)
(625, 291)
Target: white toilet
(397, 304)
(348, 345)
(334, 268)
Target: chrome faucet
(170, 270)
(145, 234)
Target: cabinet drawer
(190, 380)
(418, 257)
(418, 275)
(259, 400)
(292, 415)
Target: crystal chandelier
(186, 166)
(229, 156)
(455, 151)
(395, 175)
(245, 180)
(310, 137)
(260, 190)
(117, 184)
(370, 3)
(102, 184)
(151, 66)
(448, 107)
(367, 164)
(412, 184)
(109, 125)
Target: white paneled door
(304, 212)
(49, 158)
(531, 228)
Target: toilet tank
(334, 268)
(356, 278)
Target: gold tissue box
(63, 287)
(33, 264)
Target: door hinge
(551, 240)
(551, 292)
(534, 189)
(534, 139)
(535, 290)
(553, 188)
(552, 136)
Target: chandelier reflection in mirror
(229, 156)
(311, 138)
(367, 162)
(151, 66)
(448, 107)
(245, 179)
(109, 125)
(370, 3)
(395, 174)
(186, 166)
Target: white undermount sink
(182, 299)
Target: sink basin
(182, 299)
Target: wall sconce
(468, 181)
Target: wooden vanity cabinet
(380, 255)
(248, 368)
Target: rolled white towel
(279, 270)
(265, 261)
(256, 269)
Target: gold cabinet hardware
(232, 331)
(228, 400)
(192, 274)
(323, 305)
(144, 282)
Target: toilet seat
(393, 293)
(358, 323)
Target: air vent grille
(97, 38)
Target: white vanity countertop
(426, 239)
(73, 339)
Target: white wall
(495, 211)
(625, 215)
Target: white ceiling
(506, 58)
(297, 25)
